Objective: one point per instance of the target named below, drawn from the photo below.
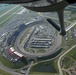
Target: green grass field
(11, 64)
(71, 41)
(69, 59)
(41, 51)
(44, 67)
(72, 54)
(3, 72)
(66, 60)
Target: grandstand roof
(19, 54)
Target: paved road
(27, 72)
(71, 25)
(59, 60)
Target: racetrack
(55, 47)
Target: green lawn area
(69, 39)
(64, 73)
(66, 60)
(69, 59)
(3, 72)
(11, 64)
(75, 26)
(41, 51)
(71, 42)
(44, 67)
(72, 53)
(67, 65)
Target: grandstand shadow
(23, 59)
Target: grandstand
(16, 54)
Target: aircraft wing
(54, 5)
(50, 7)
(16, 1)
(43, 6)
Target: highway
(70, 26)
(59, 60)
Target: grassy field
(41, 51)
(66, 60)
(71, 42)
(71, 38)
(44, 67)
(69, 59)
(72, 54)
(3, 72)
(12, 65)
